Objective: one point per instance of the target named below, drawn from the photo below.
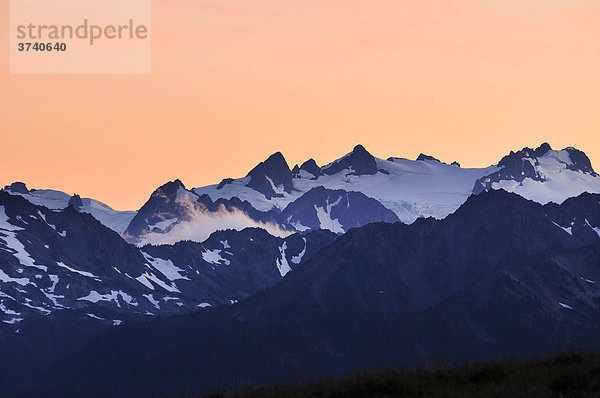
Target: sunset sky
(233, 81)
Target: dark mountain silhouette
(496, 278)
(271, 174)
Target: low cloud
(202, 223)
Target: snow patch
(7, 279)
(54, 298)
(84, 273)
(95, 297)
(54, 279)
(565, 306)
(128, 299)
(214, 257)
(567, 230)
(282, 264)
(325, 220)
(151, 299)
(7, 311)
(597, 230)
(165, 267)
(13, 321)
(13, 243)
(298, 258)
(40, 309)
(279, 190)
(4, 224)
(298, 226)
(147, 278)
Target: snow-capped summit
(169, 188)
(428, 158)
(76, 202)
(409, 188)
(271, 176)
(308, 169)
(173, 213)
(310, 166)
(57, 200)
(168, 204)
(425, 187)
(423, 157)
(358, 162)
(543, 174)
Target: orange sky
(234, 81)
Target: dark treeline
(567, 374)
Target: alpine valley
(298, 273)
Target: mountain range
(289, 274)
(352, 191)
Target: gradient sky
(234, 81)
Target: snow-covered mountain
(543, 175)
(284, 201)
(334, 210)
(173, 214)
(502, 276)
(418, 188)
(498, 268)
(56, 200)
(411, 189)
(64, 260)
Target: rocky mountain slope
(501, 276)
(52, 261)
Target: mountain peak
(17, 187)
(224, 182)
(276, 159)
(423, 157)
(579, 161)
(170, 187)
(359, 162)
(169, 201)
(543, 149)
(178, 182)
(75, 202)
(496, 202)
(270, 175)
(274, 164)
(311, 167)
(527, 152)
(537, 165)
(576, 159)
(296, 171)
(359, 149)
